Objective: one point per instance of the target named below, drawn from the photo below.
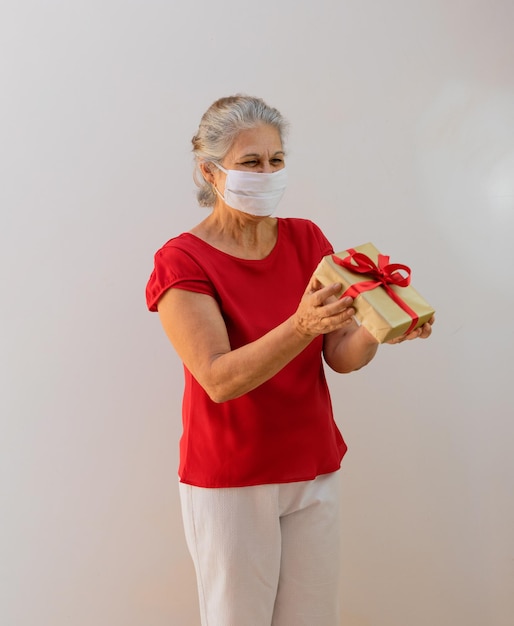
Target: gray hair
(218, 129)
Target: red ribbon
(383, 275)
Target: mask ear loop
(217, 192)
(212, 184)
(220, 167)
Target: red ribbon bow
(383, 275)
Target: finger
(322, 294)
(314, 285)
(422, 332)
(402, 338)
(426, 330)
(336, 308)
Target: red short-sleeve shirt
(282, 431)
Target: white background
(402, 133)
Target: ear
(206, 169)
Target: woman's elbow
(220, 392)
(217, 396)
(347, 366)
(344, 368)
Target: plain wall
(402, 133)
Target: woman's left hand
(420, 333)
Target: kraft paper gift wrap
(385, 303)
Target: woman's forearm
(197, 330)
(238, 371)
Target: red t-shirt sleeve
(324, 244)
(174, 267)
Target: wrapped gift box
(384, 301)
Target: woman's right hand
(321, 312)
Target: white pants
(266, 555)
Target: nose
(267, 168)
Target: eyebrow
(256, 154)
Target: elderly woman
(260, 449)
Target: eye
(251, 163)
(277, 161)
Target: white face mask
(255, 193)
